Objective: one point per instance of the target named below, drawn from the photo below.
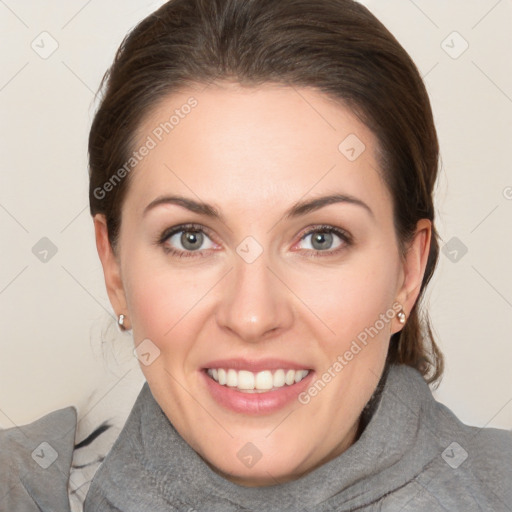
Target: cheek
(351, 297)
(164, 301)
(158, 302)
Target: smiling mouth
(256, 382)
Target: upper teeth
(261, 381)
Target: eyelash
(323, 228)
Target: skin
(253, 152)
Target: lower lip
(255, 403)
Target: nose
(255, 302)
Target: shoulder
(441, 424)
(487, 450)
(35, 461)
(43, 468)
(477, 460)
(460, 467)
(489, 446)
(472, 469)
(487, 454)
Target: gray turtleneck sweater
(413, 455)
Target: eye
(323, 240)
(185, 240)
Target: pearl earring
(120, 323)
(401, 316)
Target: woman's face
(272, 286)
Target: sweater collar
(152, 460)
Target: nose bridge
(254, 302)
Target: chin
(258, 473)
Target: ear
(111, 267)
(413, 267)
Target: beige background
(55, 316)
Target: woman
(261, 178)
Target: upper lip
(253, 365)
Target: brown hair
(335, 46)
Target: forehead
(245, 145)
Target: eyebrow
(297, 210)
